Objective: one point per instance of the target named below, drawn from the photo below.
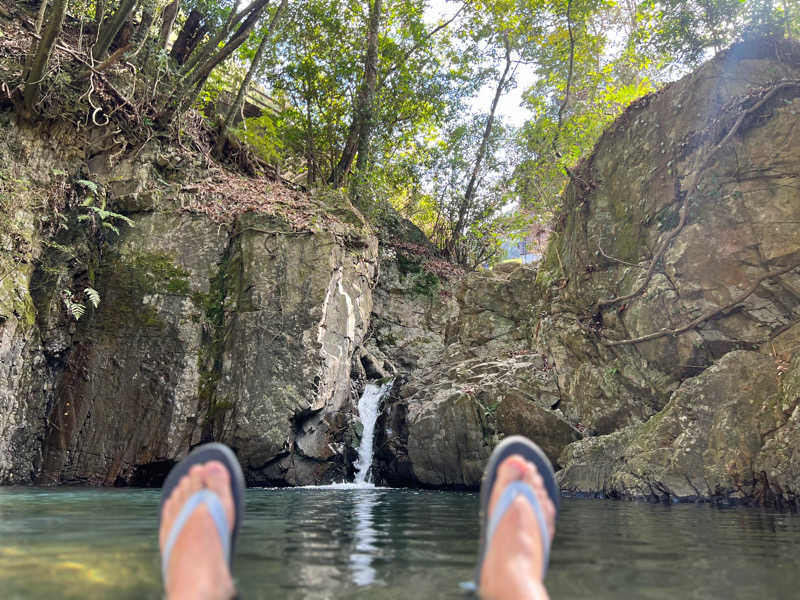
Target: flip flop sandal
(516, 444)
(201, 455)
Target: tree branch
(619, 260)
(706, 316)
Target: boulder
(705, 444)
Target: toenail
(519, 466)
(216, 467)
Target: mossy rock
(127, 281)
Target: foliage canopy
(384, 98)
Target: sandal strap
(514, 489)
(217, 512)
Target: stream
(379, 543)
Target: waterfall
(368, 413)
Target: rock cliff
(661, 328)
(218, 319)
(653, 353)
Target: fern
(93, 295)
(75, 309)
(111, 227)
(91, 185)
(105, 216)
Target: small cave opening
(151, 475)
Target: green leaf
(93, 295)
(108, 225)
(76, 310)
(91, 185)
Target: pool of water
(383, 543)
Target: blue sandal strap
(514, 489)
(217, 512)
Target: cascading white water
(368, 413)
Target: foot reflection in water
(365, 536)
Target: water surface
(383, 544)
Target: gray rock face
(703, 444)
(128, 395)
(300, 310)
(483, 383)
(24, 395)
(26, 388)
(410, 315)
(715, 424)
(242, 335)
(241, 332)
(706, 412)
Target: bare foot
(512, 569)
(197, 568)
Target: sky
(510, 106)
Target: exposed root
(706, 316)
(672, 234)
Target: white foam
(368, 413)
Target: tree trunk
(190, 35)
(361, 125)
(348, 153)
(110, 29)
(99, 12)
(143, 31)
(37, 63)
(311, 159)
(167, 21)
(786, 19)
(469, 194)
(192, 84)
(238, 103)
(366, 120)
(211, 46)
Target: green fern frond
(91, 185)
(111, 227)
(93, 295)
(124, 219)
(77, 310)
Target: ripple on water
(381, 543)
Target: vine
(707, 315)
(673, 233)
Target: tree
(687, 31)
(197, 68)
(468, 200)
(37, 62)
(361, 123)
(255, 65)
(323, 67)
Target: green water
(309, 543)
